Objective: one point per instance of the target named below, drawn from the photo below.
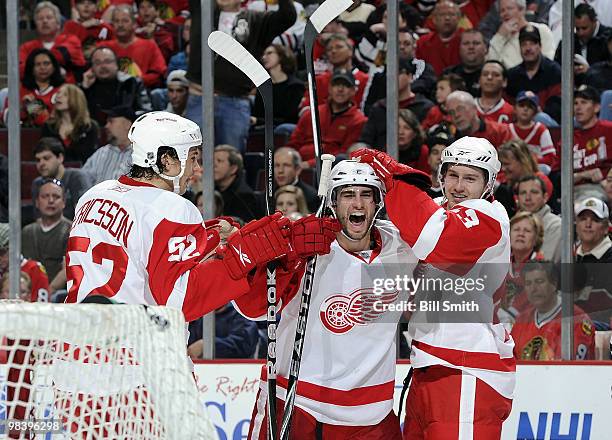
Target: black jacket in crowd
(239, 200)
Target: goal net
(91, 371)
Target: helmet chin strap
(176, 180)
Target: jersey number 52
(102, 251)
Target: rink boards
(553, 401)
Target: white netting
(104, 371)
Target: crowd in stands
(486, 68)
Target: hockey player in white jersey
(347, 374)
(137, 241)
(464, 372)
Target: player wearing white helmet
(464, 369)
(346, 378)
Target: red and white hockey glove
(259, 242)
(387, 168)
(313, 236)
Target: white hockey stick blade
(327, 161)
(329, 10)
(235, 53)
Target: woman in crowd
(70, 123)
(287, 90)
(40, 83)
(411, 145)
(526, 238)
(290, 200)
(517, 161)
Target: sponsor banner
(552, 402)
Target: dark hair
(584, 9)
(149, 173)
(499, 63)
(475, 31)
(550, 269)
(286, 58)
(218, 198)
(455, 81)
(413, 122)
(530, 178)
(28, 80)
(155, 3)
(54, 145)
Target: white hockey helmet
(351, 172)
(475, 152)
(163, 129)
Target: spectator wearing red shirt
(462, 108)
(87, 28)
(151, 26)
(491, 104)
(441, 48)
(39, 84)
(137, 57)
(537, 331)
(534, 134)
(65, 47)
(339, 51)
(592, 142)
(341, 121)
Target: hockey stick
(300, 330)
(235, 53)
(320, 18)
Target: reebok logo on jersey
(244, 258)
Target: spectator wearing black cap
(599, 74)
(341, 121)
(538, 74)
(115, 158)
(49, 155)
(534, 133)
(505, 45)
(438, 138)
(375, 131)
(592, 281)
(590, 40)
(592, 142)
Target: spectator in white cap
(178, 88)
(593, 281)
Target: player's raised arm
(466, 223)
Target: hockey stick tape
(326, 164)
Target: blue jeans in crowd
(232, 119)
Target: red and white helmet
(163, 129)
(475, 152)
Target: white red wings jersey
(139, 244)
(537, 138)
(347, 372)
(501, 112)
(471, 241)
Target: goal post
(92, 371)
